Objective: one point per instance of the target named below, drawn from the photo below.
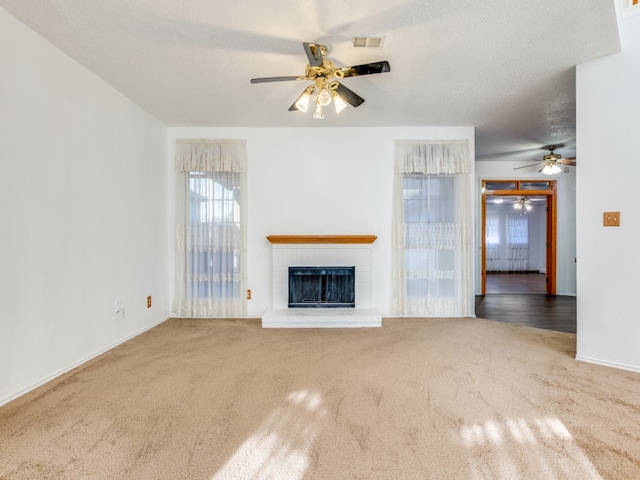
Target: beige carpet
(415, 399)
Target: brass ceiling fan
(550, 164)
(326, 87)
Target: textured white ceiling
(505, 67)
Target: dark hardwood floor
(520, 299)
(524, 283)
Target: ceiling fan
(325, 75)
(550, 164)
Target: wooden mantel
(310, 239)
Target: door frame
(552, 218)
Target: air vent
(368, 42)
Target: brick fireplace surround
(321, 250)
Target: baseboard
(604, 363)
(14, 396)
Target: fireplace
(322, 287)
(313, 253)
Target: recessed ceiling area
(507, 68)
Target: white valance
(206, 155)
(433, 157)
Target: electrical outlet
(149, 301)
(611, 219)
(249, 294)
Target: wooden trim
(483, 274)
(321, 239)
(551, 223)
(520, 193)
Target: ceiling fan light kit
(326, 87)
(551, 169)
(523, 203)
(550, 164)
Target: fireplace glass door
(322, 287)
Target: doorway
(518, 236)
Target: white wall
(566, 222)
(608, 124)
(83, 212)
(319, 181)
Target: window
(534, 186)
(428, 259)
(432, 253)
(210, 228)
(492, 241)
(214, 211)
(518, 241)
(498, 185)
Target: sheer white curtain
(432, 241)
(518, 241)
(493, 241)
(210, 228)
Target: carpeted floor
(415, 399)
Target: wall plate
(611, 219)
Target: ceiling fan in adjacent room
(550, 164)
(326, 87)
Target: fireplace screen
(322, 287)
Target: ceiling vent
(368, 42)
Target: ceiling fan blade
(273, 79)
(314, 53)
(571, 161)
(366, 69)
(349, 96)
(527, 166)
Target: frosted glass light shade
(324, 97)
(551, 169)
(303, 102)
(339, 103)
